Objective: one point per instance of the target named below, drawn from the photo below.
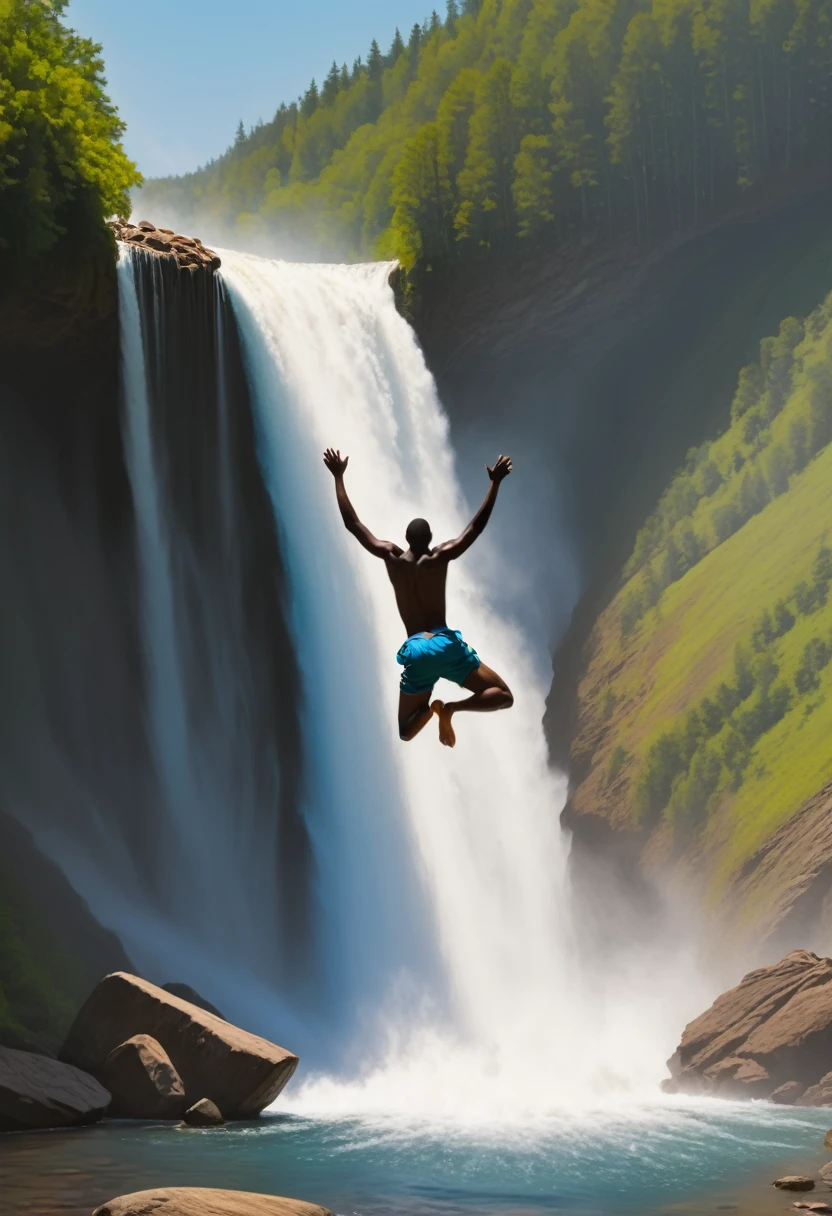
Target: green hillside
(706, 708)
(507, 122)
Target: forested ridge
(513, 121)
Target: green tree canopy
(61, 158)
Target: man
(432, 650)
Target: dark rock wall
(598, 366)
(76, 763)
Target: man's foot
(446, 731)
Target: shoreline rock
(37, 1092)
(143, 1081)
(240, 1072)
(204, 1113)
(204, 1201)
(189, 251)
(770, 1037)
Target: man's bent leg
(414, 713)
(490, 692)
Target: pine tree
(375, 62)
(310, 101)
(239, 135)
(413, 44)
(344, 78)
(435, 22)
(451, 16)
(331, 85)
(396, 48)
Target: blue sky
(184, 72)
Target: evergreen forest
(504, 123)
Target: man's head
(419, 535)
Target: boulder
(204, 1114)
(774, 1028)
(795, 1182)
(37, 1092)
(827, 1140)
(240, 1072)
(202, 1201)
(143, 1081)
(738, 1078)
(819, 1094)
(186, 993)
(787, 1095)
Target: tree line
(62, 166)
(511, 121)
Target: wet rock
(143, 1081)
(825, 1172)
(146, 224)
(154, 241)
(775, 1027)
(204, 1114)
(818, 1095)
(202, 1201)
(240, 1072)
(795, 1182)
(186, 993)
(37, 1092)
(738, 1078)
(827, 1140)
(787, 1095)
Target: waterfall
(206, 739)
(500, 1015)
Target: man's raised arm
(378, 548)
(455, 548)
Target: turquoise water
(639, 1159)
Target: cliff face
(62, 464)
(606, 365)
(80, 781)
(602, 362)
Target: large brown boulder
(201, 1201)
(774, 1027)
(143, 1081)
(37, 1092)
(238, 1071)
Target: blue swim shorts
(439, 655)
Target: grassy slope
(684, 647)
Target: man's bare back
(419, 576)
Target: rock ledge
(189, 251)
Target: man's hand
(501, 469)
(335, 464)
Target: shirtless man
(432, 650)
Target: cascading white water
(215, 841)
(508, 1021)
